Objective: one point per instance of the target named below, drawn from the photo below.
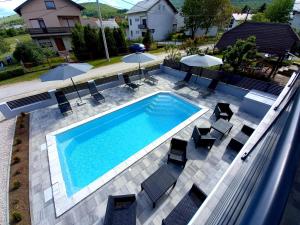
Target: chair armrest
(247, 130)
(178, 144)
(203, 131)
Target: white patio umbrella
(139, 58)
(66, 71)
(201, 60)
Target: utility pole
(103, 33)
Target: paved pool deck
(203, 168)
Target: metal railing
(49, 30)
(142, 26)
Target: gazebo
(272, 38)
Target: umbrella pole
(76, 90)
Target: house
(49, 22)
(295, 21)
(94, 23)
(238, 18)
(272, 38)
(155, 15)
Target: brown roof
(18, 9)
(272, 38)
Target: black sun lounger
(128, 82)
(148, 78)
(94, 92)
(186, 208)
(63, 103)
(120, 210)
(184, 82)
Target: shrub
(17, 141)
(111, 43)
(16, 160)
(7, 74)
(16, 185)
(15, 201)
(16, 217)
(147, 40)
(78, 43)
(17, 173)
(29, 52)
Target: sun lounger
(202, 137)
(177, 153)
(128, 82)
(238, 141)
(63, 103)
(148, 78)
(120, 210)
(211, 88)
(158, 184)
(186, 208)
(184, 82)
(94, 92)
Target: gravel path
(6, 137)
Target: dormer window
(50, 4)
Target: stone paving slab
(204, 167)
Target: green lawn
(12, 41)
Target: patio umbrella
(139, 58)
(66, 71)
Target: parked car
(137, 47)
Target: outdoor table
(222, 126)
(158, 183)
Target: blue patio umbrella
(66, 71)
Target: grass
(12, 41)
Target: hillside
(106, 10)
(11, 20)
(237, 3)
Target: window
(131, 33)
(158, 7)
(163, 7)
(130, 22)
(144, 22)
(137, 19)
(50, 4)
(45, 43)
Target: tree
(242, 51)
(91, 39)
(78, 43)
(4, 46)
(260, 17)
(111, 44)
(29, 52)
(48, 53)
(120, 40)
(246, 9)
(205, 14)
(262, 8)
(147, 40)
(279, 11)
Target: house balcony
(142, 26)
(49, 30)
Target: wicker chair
(238, 141)
(202, 137)
(223, 110)
(177, 151)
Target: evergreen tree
(279, 11)
(100, 47)
(120, 40)
(78, 43)
(111, 44)
(262, 8)
(91, 39)
(147, 40)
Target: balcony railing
(49, 30)
(142, 26)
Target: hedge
(7, 74)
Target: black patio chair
(149, 78)
(186, 208)
(128, 82)
(202, 137)
(238, 141)
(184, 82)
(177, 153)
(223, 110)
(94, 91)
(63, 103)
(120, 210)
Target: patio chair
(238, 141)
(223, 110)
(120, 210)
(202, 137)
(177, 153)
(211, 88)
(149, 78)
(128, 82)
(184, 82)
(186, 208)
(94, 91)
(63, 103)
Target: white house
(155, 15)
(238, 18)
(295, 21)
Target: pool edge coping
(62, 202)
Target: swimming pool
(94, 151)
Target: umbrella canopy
(201, 60)
(138, 58)
(65, 71)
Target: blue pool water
(90, 150)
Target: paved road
(26, 88)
